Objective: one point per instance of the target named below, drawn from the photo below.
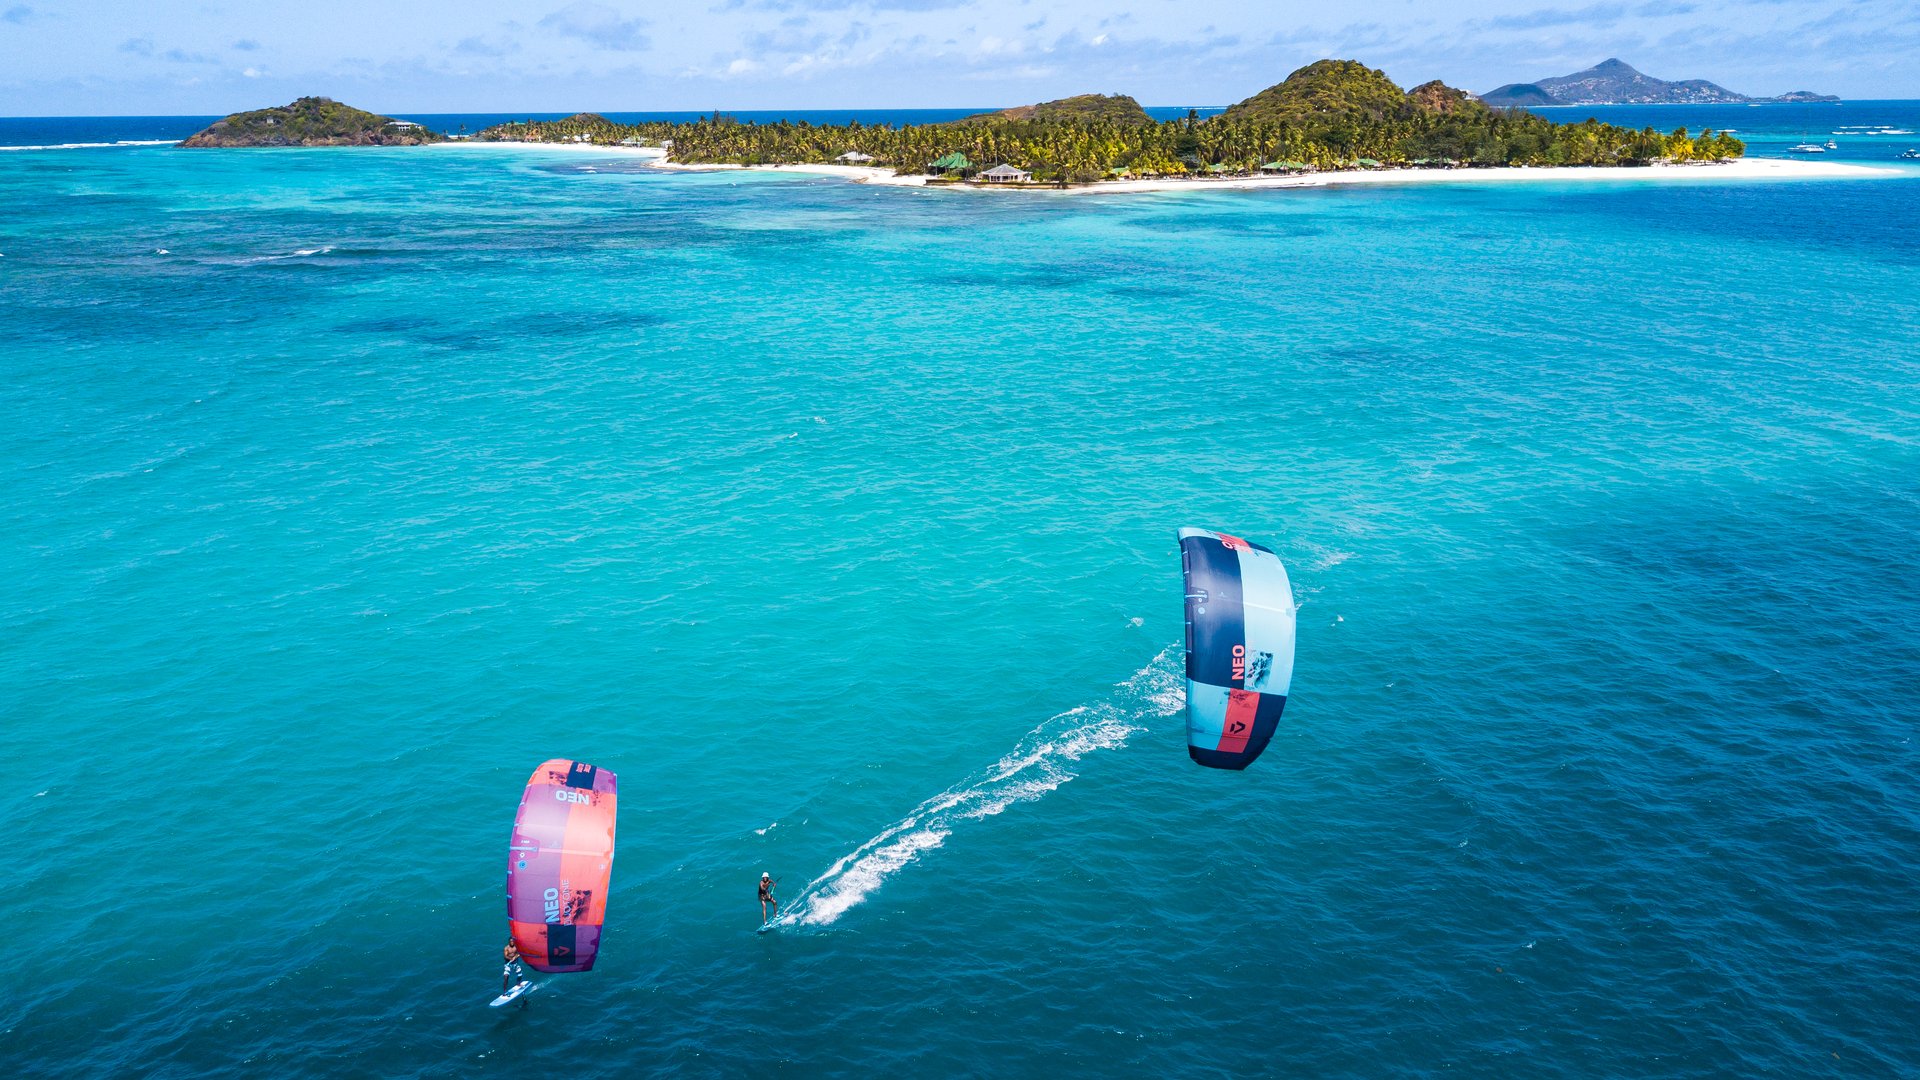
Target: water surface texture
(344, 487)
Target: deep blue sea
(346, 486)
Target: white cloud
(598, 25)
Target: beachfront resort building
(1006, 174)
(952, 163)
(854, 157)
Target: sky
(159, 57)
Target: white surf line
(95, 145)
(1041, 762)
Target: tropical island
(1330, 122)
(1615, 82)
(311, 121)
(1329, 115)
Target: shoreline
(1737, 169)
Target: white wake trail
(1042, 761)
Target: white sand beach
(1739, 169)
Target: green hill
(1326, 88)
(1112, 108)
(312, 121)
(1518, 95)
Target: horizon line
(400, 113)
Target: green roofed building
(954, 162)
(1220, 168)
(1367, 163)
(1285, 166)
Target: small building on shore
(854, 157)
(1283, 168)
(1006, 174)
(955, 162)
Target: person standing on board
(511, 973)
(766, 896)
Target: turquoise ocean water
(345, 487)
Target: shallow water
(840, 523)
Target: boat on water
(1831, 145)
(1807, 148)
(1911, 154)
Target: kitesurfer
(766, 896)
(511, 973)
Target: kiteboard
(521, 988)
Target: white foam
(298, 253)
(95, 145)
(1330, 560)
(1040, 763)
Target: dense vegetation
(311, 121)
(1330, 114)
(1087, 108)
(1346, 89)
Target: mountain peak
(1613, 81)
(1326, 88)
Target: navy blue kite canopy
(1239, 646)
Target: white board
(524, 986)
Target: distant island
(1116, 108)
(1331, 114)
(1615, 82)
(311, 121)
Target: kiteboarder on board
(766, 896)
(511, 974)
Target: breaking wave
(1042, 761)
(95, 145)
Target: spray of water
(1046, 758)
